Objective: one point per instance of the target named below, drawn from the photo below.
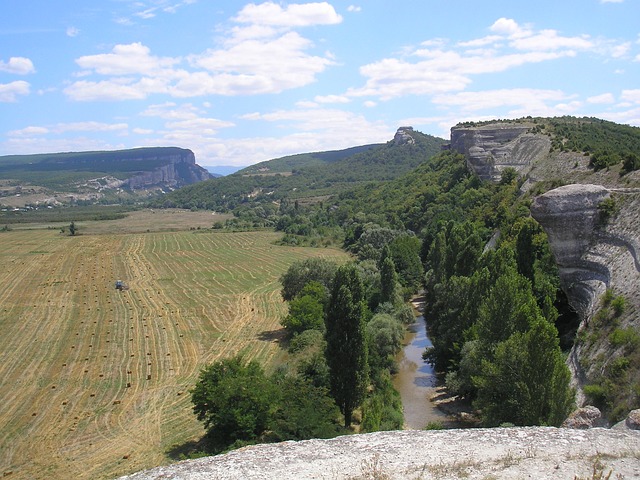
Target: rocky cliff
(597, 257)
(499, 453)
(177, 167)
(492, 148)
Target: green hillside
(301, 177)
(59, 170)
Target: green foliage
(306, 310)
(72, 229)
(625, 337)
(389, 282)
(526, 382)
(300, 273)
(240, 405)
(234, 400)
(384, 337)
(382, 410)
(608, 209)
(307, 175)
(631, 162)
(346, 350)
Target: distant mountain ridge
(310, 175)
(93, 175)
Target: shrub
(618, 304)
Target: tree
(306, 311)
(346, 350)
(302, 272)
(72, 229)
(389, 282)
(235, 401)
(385, 335)
(527, 381)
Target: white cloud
(601, 99)
(115, 89)
(18, 66)
(263, 57)
(631, 96)
(332, 99)
(72, 32)
(128, 59)
(523, 101)
(60, 128)
(29, 131)
(611, 1)
(9, 92)
(354, 9)
(293, 15)
(505, 26)
(550, 40)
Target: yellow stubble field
(94, 383)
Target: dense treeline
(490, 286)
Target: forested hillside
(501, 326)
(307, 176)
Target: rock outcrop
(569, 216)
(403, 136)
(500, 453)
(178, 168)
(490, 149)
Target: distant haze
(223, 169)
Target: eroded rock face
(593, 256)
(569, 216)
(501, 453)
(491, 148)
(180, 169)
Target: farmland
(94, 383)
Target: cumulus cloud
(354, 8)
(601, 99)
(526, 99)
(435, 67)
(293, 15)
(130, 59)
(264, 55)
(9, 92)
(17, 65)
(72, 32)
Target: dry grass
(95, 382)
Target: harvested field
(94, 382)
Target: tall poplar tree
(346, 350)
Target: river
(416, 380)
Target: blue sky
(239, 82)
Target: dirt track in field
(94, 382)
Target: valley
(95, 382)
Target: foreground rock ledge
(513, 453)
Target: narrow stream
(416, 380)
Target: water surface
(416, 380)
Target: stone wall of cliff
(492, 148)
(178, 169)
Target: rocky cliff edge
(499, 453)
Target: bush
(618, 304)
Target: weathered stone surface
(632, 422)
(501, 453)
(403, 136)
(569, 217)
(585, 417)
(180, 169)
(492, 148)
